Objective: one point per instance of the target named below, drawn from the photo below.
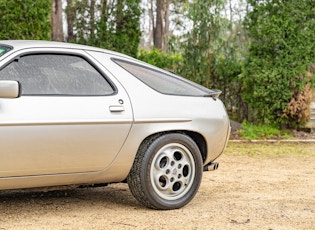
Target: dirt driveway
(245, 193)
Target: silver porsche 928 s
(79, 115)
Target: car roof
(23, 44)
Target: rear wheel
(167, 171)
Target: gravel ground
(245, 193)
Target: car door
(72, 116)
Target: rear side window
(163, 82)
(56, 74)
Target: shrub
(156, 57)
(282, 48)
(298, 109)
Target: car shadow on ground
(112, 196)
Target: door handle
(116, 108)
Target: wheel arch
(196, 137)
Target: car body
(79, 115)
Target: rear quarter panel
(155, 112)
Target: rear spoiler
(214, 94)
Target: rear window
(163, 82)
(4, 49)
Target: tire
(167, 172)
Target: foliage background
(278, 72)
(260, 53)
(114, 25)
(25, 19)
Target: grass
(252, 132)
(276, 149)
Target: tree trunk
(151, 24)
(158, 32)
(92, 20)
(119, 16)
(166, 30)
(57, 25)
(70, 12)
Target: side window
(163, 82)
(54, 74)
